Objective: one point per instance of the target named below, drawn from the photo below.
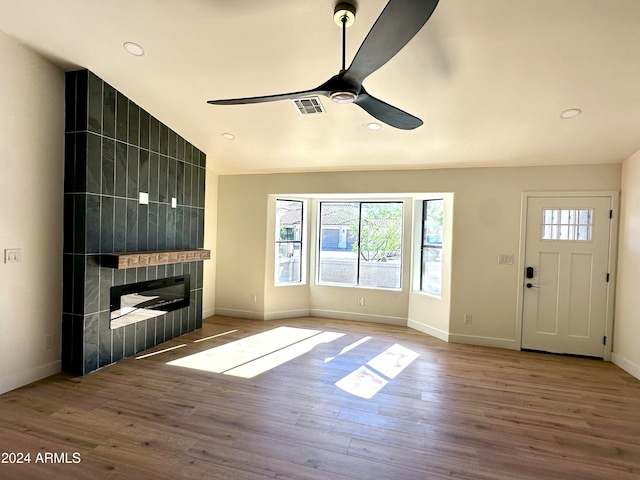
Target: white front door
(566, 278)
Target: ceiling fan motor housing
(341, 90)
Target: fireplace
(115, 152)
(140, 301)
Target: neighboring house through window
(360, 244)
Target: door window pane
(567, 224)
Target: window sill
(360, 287)
(427, 294)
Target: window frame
(319, 237)
(425, 246)
(301, 244)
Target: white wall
(486, 223)
(626, 336)
(241, 243)
(210, 240)
(385, 306)
(31, 195)
(284, 301)
(427, 313)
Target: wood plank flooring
(455, 412)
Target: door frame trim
(612, 263)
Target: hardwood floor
(455, 411)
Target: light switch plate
(174, 202)
(12, 255)
(144, 198)
(505, 259)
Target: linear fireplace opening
(139, 301)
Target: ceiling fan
(398, 23)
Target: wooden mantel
(146, 259)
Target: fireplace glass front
(139, 301)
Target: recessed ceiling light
(133, 49)
(228, 136)
(570, 113)
(374, 126)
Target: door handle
(531, 285)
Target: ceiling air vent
(308, 106)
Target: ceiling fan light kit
(343, 97)
(398, 23)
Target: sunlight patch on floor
(160, 351)
(275, 359)
(362, 383)
(348, 348)
(369, 379)
(258, 353)
(214, 336)
(393, 360)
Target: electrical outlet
(468, 318)
(49, 341)
(12, 255)
(361, 301)
(253, 297)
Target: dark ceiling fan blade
(271, 98)
(398, 23)
(387, 113)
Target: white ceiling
(488, 78)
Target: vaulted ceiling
(488, 78)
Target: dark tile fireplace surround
(113, 151)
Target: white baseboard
(286, 314)
(338, 315)
(248, 314)
(208, 313)
(358, 317)
(25, 378)
(434, 332)
(232, 312)
(484, 341)
(626, 365)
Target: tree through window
(361, 243)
